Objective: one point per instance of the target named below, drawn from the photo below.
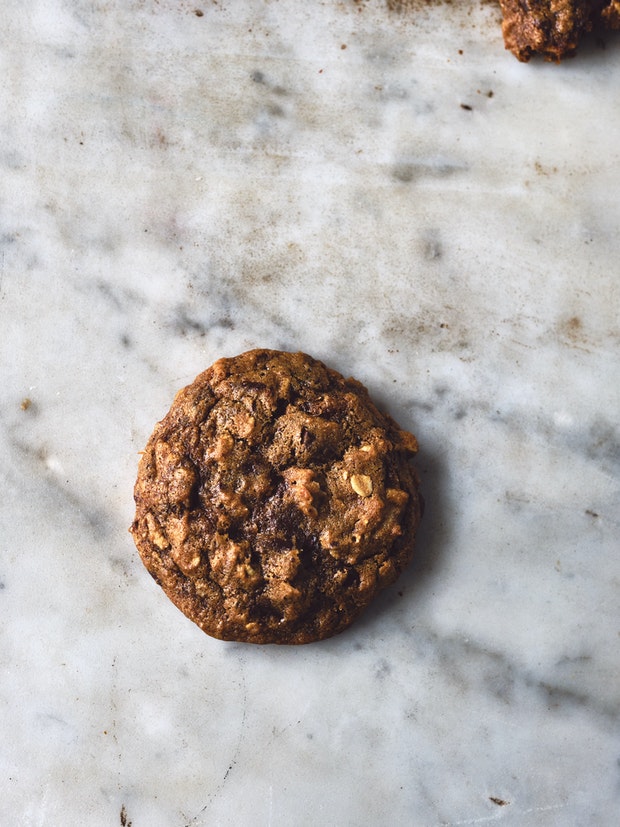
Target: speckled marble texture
(397, 195)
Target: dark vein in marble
(97, 521)
(501, 678)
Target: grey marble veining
(396, 195)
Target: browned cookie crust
(553, 28)
(275, 500)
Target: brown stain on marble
(572, 333)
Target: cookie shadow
(397, 600)
(432, 539)
(596, 44)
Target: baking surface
(396, 195)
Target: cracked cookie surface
(275, 500)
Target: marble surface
(397, 195)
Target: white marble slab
(417, 209)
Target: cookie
(553, 28)
(274, 500)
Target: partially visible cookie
(275, 500)
(553, 28)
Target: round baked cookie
(275, 500)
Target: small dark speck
(258, 77)
(467, 107)
(460, 413)
(125, 822)
(400, 594)
(591, 513)
(499, 801)
(26, 404)
(432, 250)
(2, 586)
(344, 46)
(309, 736)
(199, 13)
